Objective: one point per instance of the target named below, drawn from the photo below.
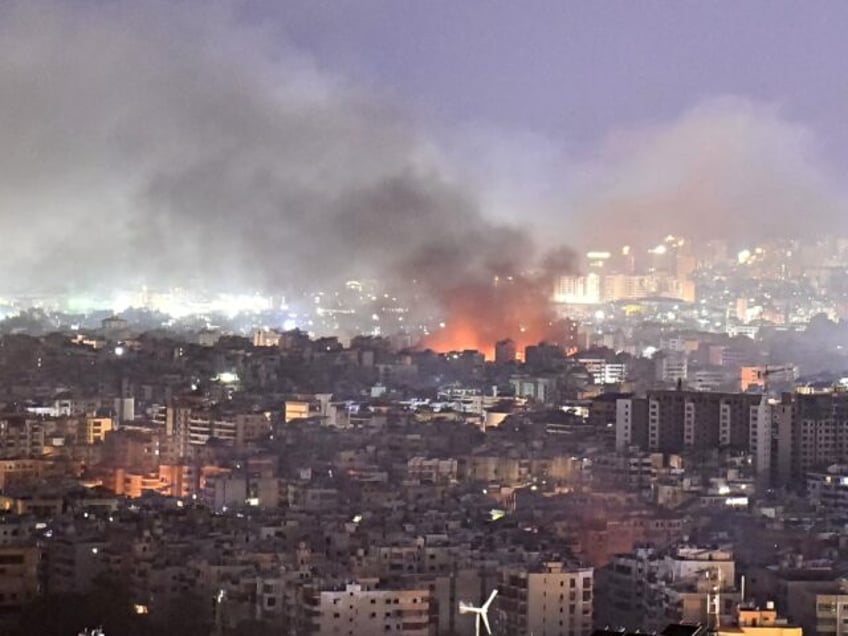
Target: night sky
(234, 144)
(576, 71)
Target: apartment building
(551, 599)
(361, 609)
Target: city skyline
(433, 318)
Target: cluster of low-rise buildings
(305, 486)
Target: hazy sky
(262, 142)
(548, 106)
(575, 70)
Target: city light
(227, 377)
(333, 317)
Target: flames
(479, 315)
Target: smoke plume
(517, 306)
(147, 145)
(153, 145)
(729, 168)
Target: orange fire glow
(477, 316)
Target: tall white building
(579, 290)
(604, 372)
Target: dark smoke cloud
(515, 306)
(170, 143)
(150, 144)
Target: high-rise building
(578, 290)
(819, 432)
(675, 421)
(788, 438)
(623, 287)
